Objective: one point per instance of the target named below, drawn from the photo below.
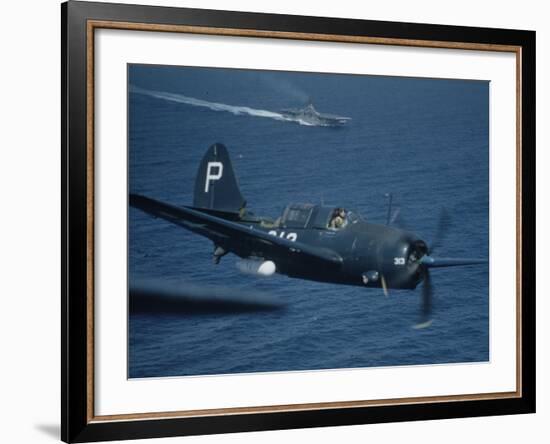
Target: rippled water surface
(424, 140)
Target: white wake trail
(214, 106)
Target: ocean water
(423, 140)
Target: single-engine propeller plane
(308, 241)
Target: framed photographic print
(277, 221)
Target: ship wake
(223, 107)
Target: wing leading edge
(227, 232)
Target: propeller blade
(398, 220)
(427, 293)
(427, 296)
(395, 216)
(384, 285)
(427, 261)
(442, 229)
(432, 262)
(388, 217)
(422, 325)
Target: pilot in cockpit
(338, 219)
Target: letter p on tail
(216, 186)
(213, 166)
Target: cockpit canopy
(298, 215)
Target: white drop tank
(257, 267)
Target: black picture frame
(77, 424)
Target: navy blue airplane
(308, 241)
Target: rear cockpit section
(297, 215)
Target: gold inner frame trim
(96, 24)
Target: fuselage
(370, 252)
(307, 241)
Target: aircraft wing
(227, 232)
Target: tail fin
(216, 186)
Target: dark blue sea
(423, 140)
